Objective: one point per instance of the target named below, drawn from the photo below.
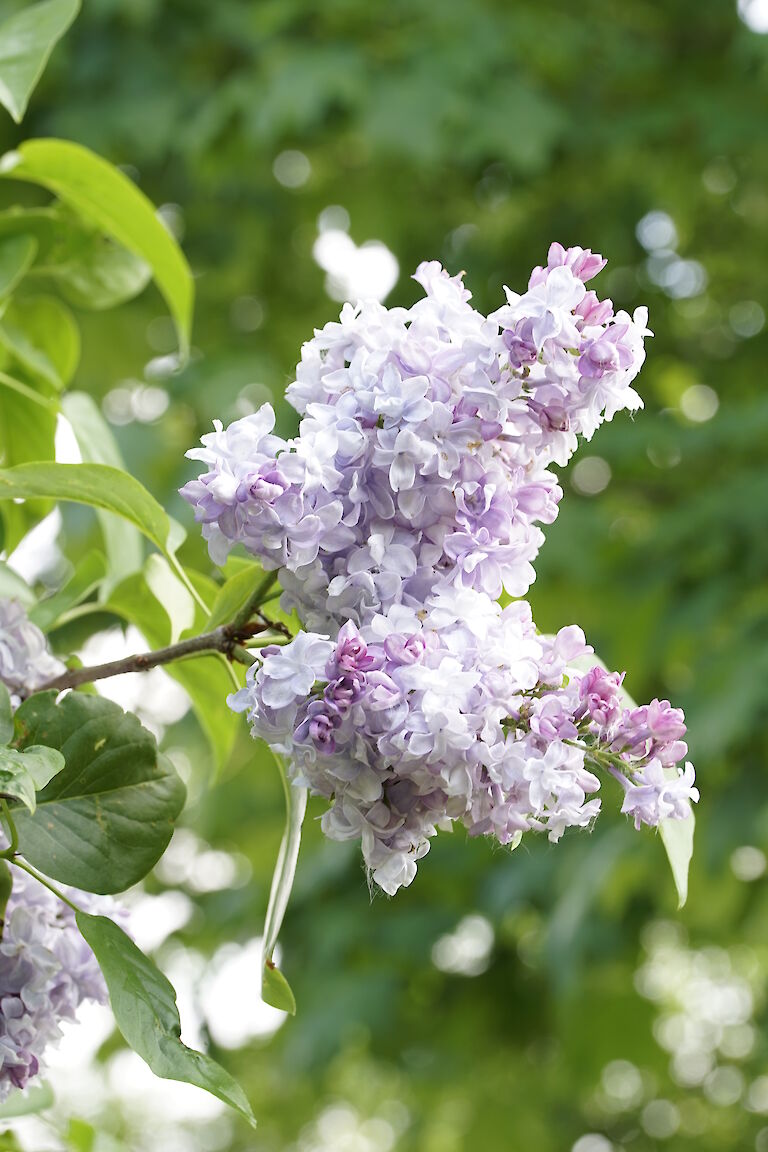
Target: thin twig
(223, 639)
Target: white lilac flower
(46, 971)
(26, 662)
(432, 428)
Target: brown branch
(223, 639)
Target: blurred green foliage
(475, 132)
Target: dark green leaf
(144, 1004)
(106, 819)
(26, 41)
(106, 197)
(6, 887)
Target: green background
(476, 132)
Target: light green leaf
(204, 678)
(99, 274)
(234, 594)
(144, 1005)
(17, 254)
(85, 579)
(677, 838)
(275, 989)
(168, 589)
(26, 41)
(13, 587)
(97, 444)
(41, 334)
(27, 1102)
(97, 485)
(105, 820)
(106, 197)
(6, 715)
(22, 774)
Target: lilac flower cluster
(25, 659)
(46, 971)
(459, 711)
(411, 498)
(423, 455)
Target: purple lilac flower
(458, 710)
(425, 444)
(46, 971)
(25, 659)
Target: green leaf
(6, 715)
(6, 887)
(106, 197)
(97, 485)
(677, 838)
(97, 273)
(234, 594)
(175, 598)
(97, 444)
(26, 41)
(13, 587)
(105, 820)
(23, 773)
(275, 989)
(17, 254)
(205, 678)
(144, 1005)
(85, 579)
(27, 1102)
(41, 334)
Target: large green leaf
(275, 989)
(105, 196)
(41, 334)
(23, 773)
(122, 540)
(106, 818)
(16, 256)
(95, 272)
(26, 41)
(97, 485)
(35, 442)
(144, 1005)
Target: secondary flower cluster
(424, 450)
(409, 501)
(46, 971)
(25, 659)
(459, 711)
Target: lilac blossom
(424, 453)
(414, 495)
(458, 711)
(46, 971)
(26, 662)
